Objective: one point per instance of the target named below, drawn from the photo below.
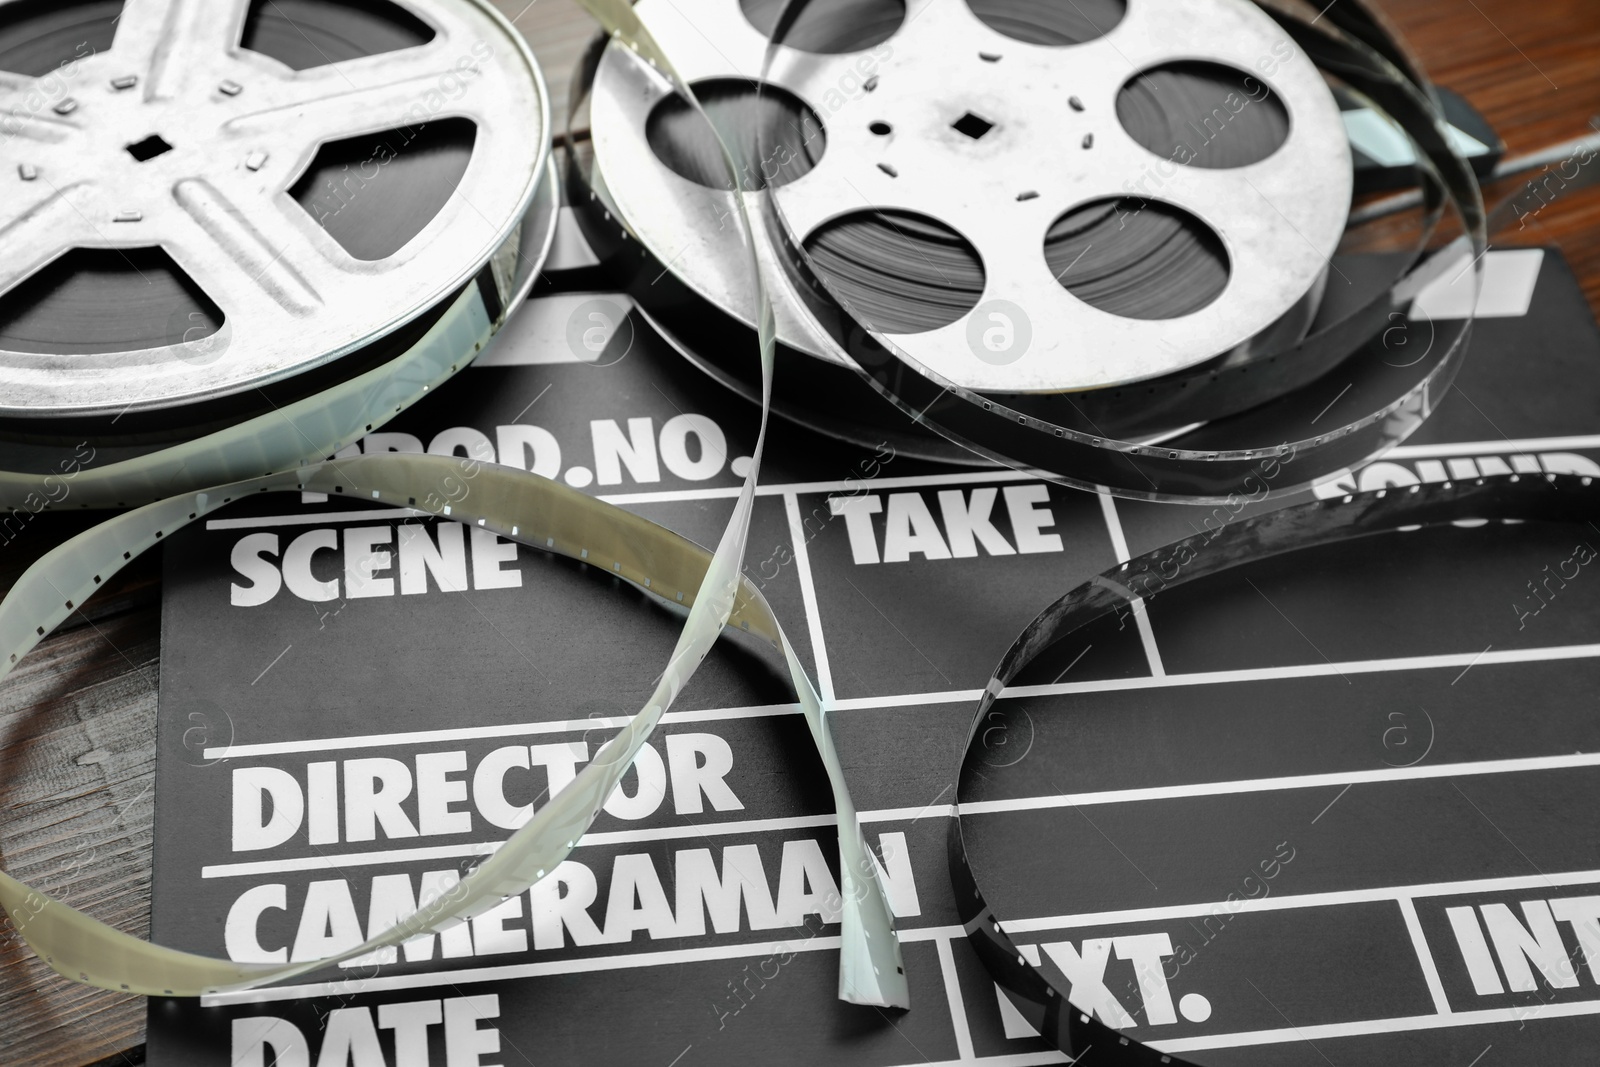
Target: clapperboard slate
(1339, 806)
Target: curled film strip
(518, 505)
(866, 925)
(526, 508)
(1358, 56)
(1077, 1028)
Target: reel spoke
(246, 256)
(395, 90)
(179, 44)
(43, 229)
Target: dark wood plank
(76, 751)
(78, 762)
(1533, 70)
(558, 31)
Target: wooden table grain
(77, 716)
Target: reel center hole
(149, 148)
(881, 128)
(972, 124)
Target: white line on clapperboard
(942, 936)
(1038, 803)
(1438, 661)
(667, 496)
(1141, 620)
(808, 597)
(1402, 895)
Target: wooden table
(78, 716)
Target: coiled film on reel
(323, 222)
(883, 266)
(1215, 461)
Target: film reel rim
(48, 386)
(903, 440)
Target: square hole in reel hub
(149, 148)
(972, 124)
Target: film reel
(1002, 171)
(848, 273)
(1272, 419)
(329, 200)
(650, 157)
(649, 169)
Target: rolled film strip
(533, 511)
(1267, 424)
(322, 227)
(1075, 1028)
(518, 505)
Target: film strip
(516, 504)
(867, 924)
(1044, 1001)
(526, 508)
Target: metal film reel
(178, 141)
(999, 139)
(1216, 451)
(997, 154)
